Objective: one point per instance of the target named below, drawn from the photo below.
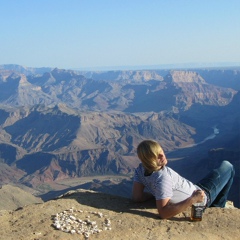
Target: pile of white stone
(81, 222)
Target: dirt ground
(117, 217)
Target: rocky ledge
(112, 217)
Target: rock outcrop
(125, 220)
(12, 197)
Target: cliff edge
(112, 217)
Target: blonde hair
(148, 151)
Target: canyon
(66, 129)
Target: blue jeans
(217, 184)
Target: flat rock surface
(127, 220)
(12, 197)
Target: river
(212, 136)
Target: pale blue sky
(97, 33)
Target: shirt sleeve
(136, 176)
(163, 187)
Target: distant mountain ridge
(15, 68)
(178, 90)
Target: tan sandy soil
(128, 220)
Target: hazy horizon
(186, 66)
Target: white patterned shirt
(165, 183)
